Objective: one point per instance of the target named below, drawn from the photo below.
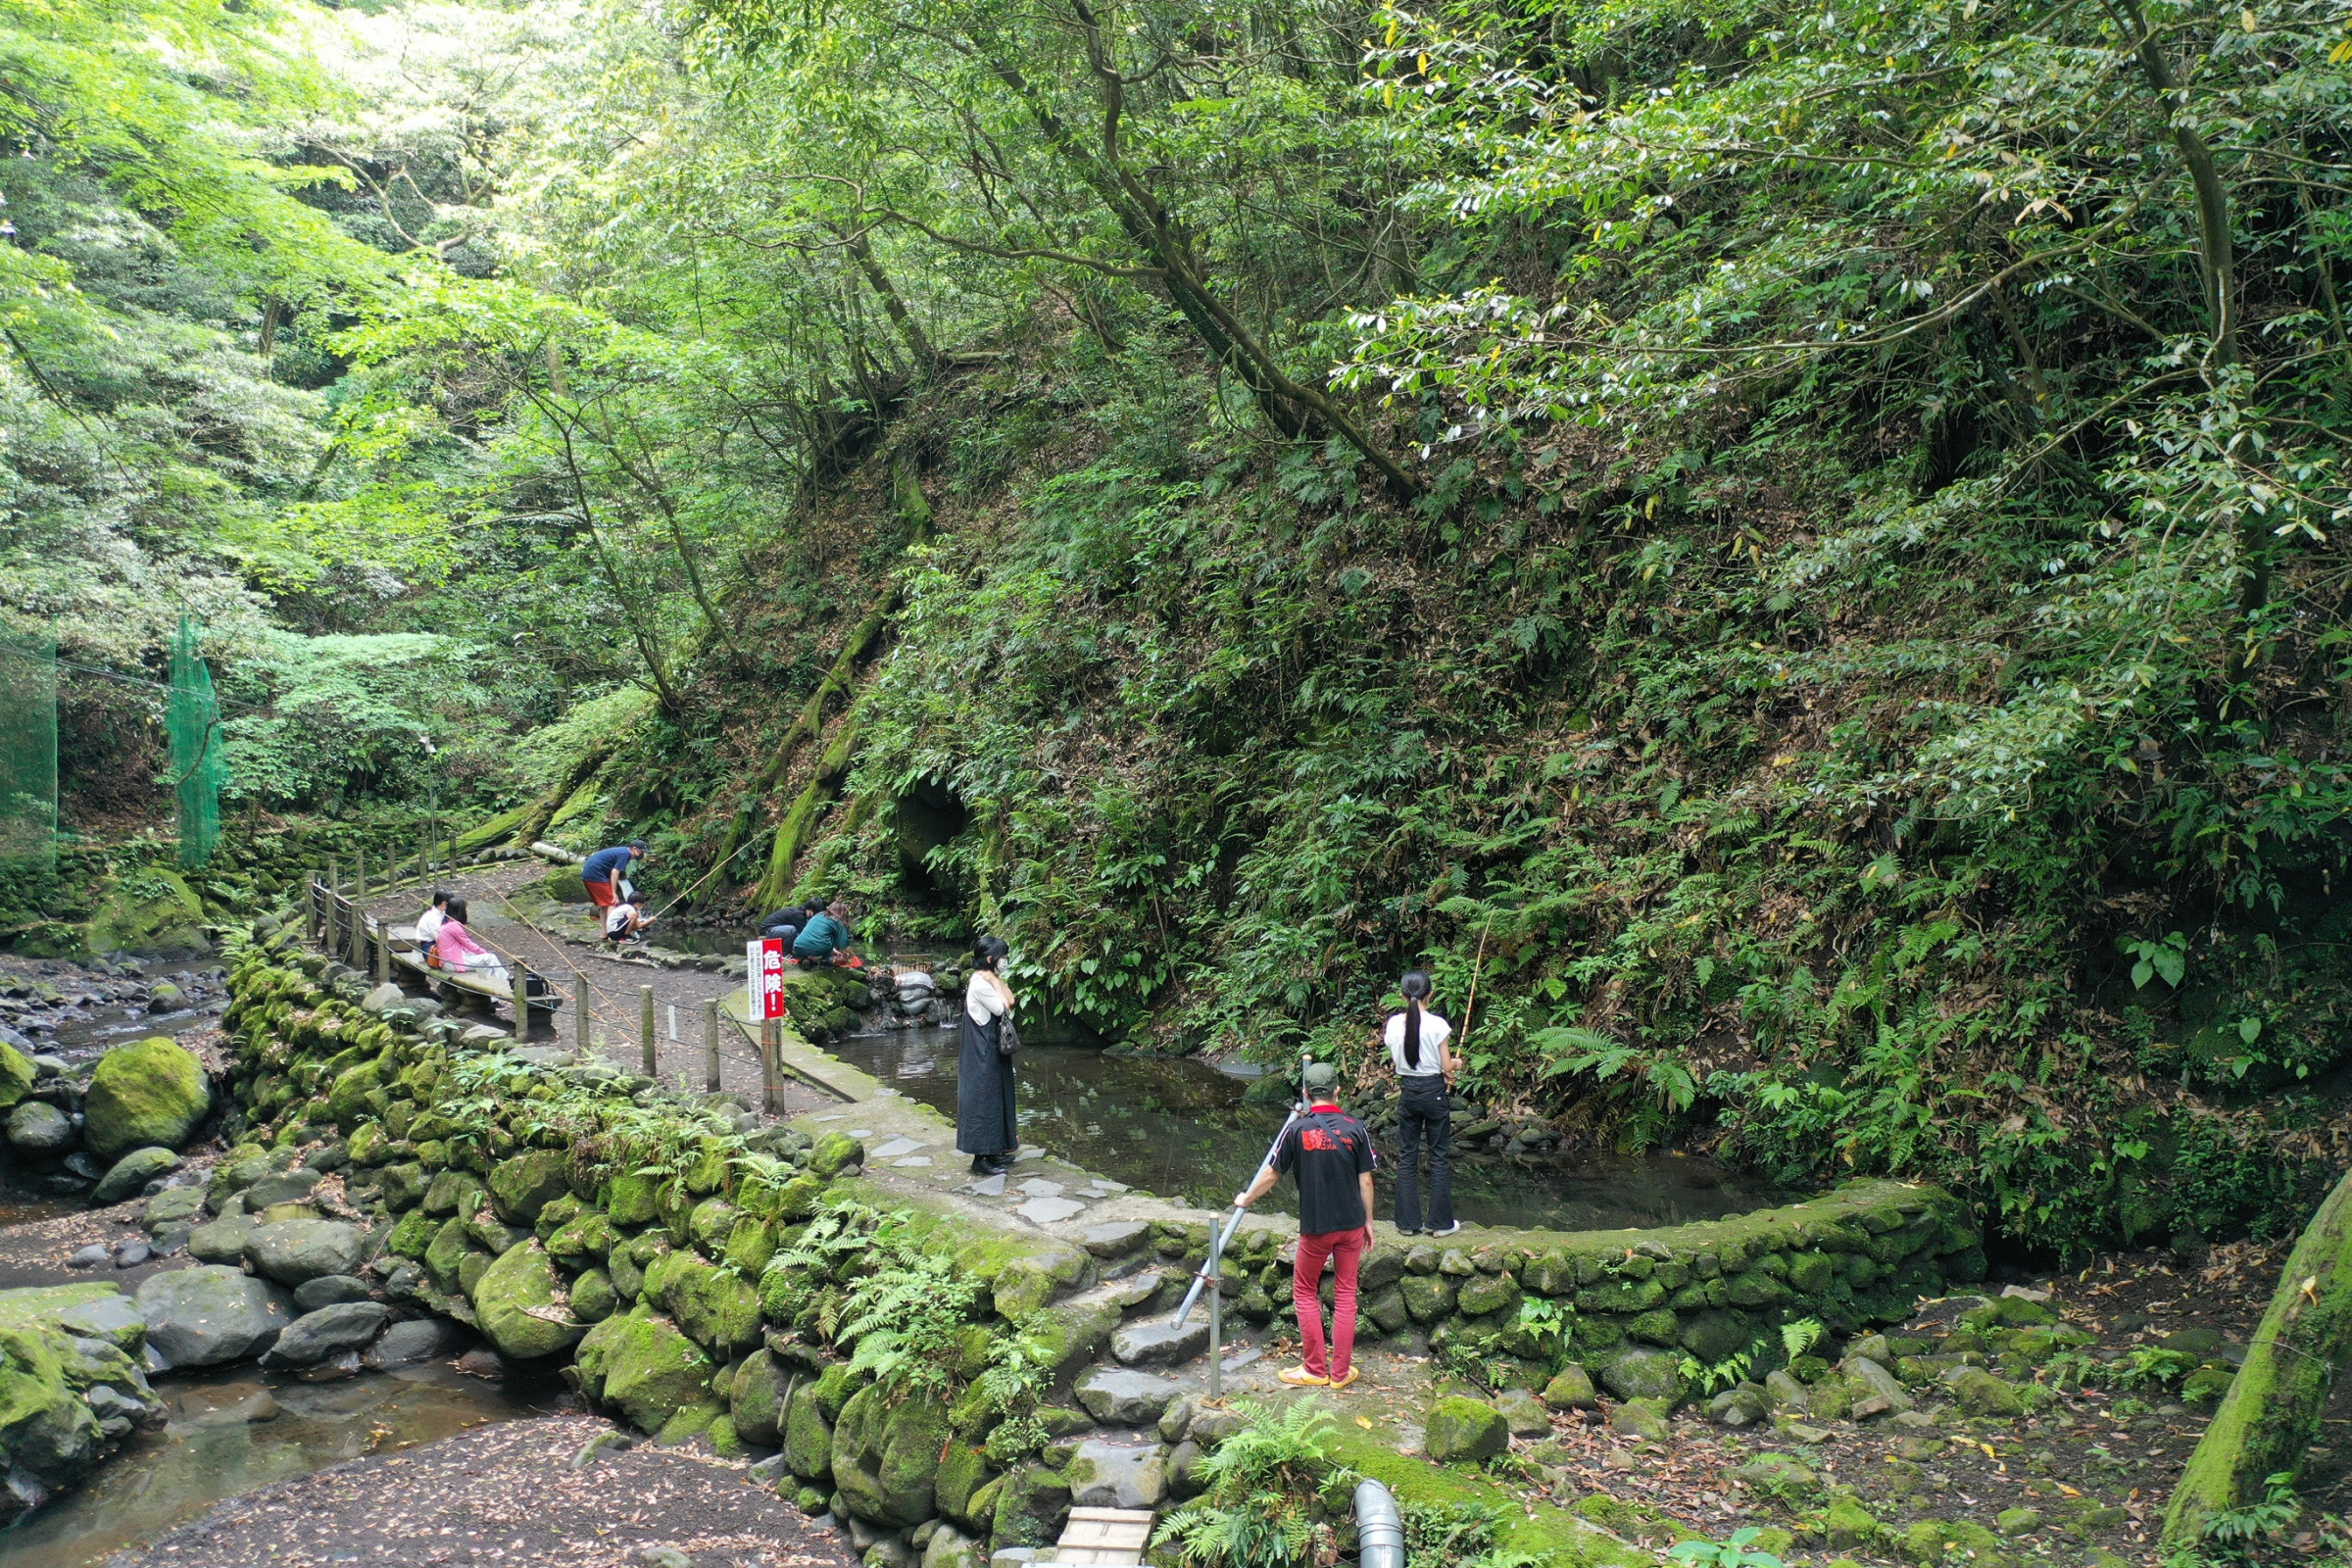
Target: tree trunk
(793, 833)
(2273, 1409)
(540, 814)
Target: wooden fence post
(582, 1045)
(331, 912)
(645, 1029)
(522, 1000)
(770, 1045)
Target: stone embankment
(944, 1375)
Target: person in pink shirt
(459, 951)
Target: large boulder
(207, 1315)
(886, 1457)
(331, 1331)
(151, 1091)
(128, 1176)
(293, 1251)
(148, 910)
(1124, 1399)
(641, 1365)
(1104, 1474)
(717, 1309)
(1639, 1372)
(516, 1302)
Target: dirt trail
(612, 985)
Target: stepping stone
(862, 1132)
(985, 1187)
(1039, 1186)
(910, 1162)
(896, 1147)
(1160, 1343)
(836, 1116)
(1114, 1474)
(1116, 1240)
(1122, 1398)
(1050, 1210)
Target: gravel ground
(507, 1494)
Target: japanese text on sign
(765, 962)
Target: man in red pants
(1329, 1154)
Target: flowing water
(1182, 1129)
(240, 1428)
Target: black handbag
(1008, 1037)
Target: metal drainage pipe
(1379, 1528)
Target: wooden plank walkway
(1113, 1536)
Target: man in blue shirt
(601, 870)
(825, 939)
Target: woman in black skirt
(985, 1126)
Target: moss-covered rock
(521, 1187)
(151, 1091)
(588, 1237)
(756, 1400)
(717, 1309)
(593, 1298)
(16, 1076)
(148, 910)
(751, 1243)
(1033, 1503)
(630, 1198)
(886, 1456)
(48, 1433)
(1464, 1431)
(808, 1436)
(641, 1365)
(521, 1304)
(963, 1474)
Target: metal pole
(1216, 1318)
(579, 1021)
(711, 1044)
(424, 852)
(771, 1044)
(645, 1030)
(523, 1002)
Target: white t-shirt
(1434, 1032)
(618, 919)
(983, 998)
(428, 926)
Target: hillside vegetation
(1797, 548)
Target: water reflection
(1181, 1129)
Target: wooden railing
(338, 924)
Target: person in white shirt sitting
(428, 924)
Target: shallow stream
(239, 1428)
(1181, 1129)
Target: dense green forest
(1800, 546)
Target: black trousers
(1421, 1118)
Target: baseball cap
(1319, 1075)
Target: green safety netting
(28, 749)
(194, 721)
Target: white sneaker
(1448, 1230)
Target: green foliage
(1270, 1492)
(1736, 1550)
(2237, 1530)
(1723, 1374)
(2149, 1366)
(1801, 1336)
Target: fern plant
(902, 1321)
(1271, 1491)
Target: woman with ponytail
(987, 1127)
(1416, 1040)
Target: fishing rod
(1217, 1249)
